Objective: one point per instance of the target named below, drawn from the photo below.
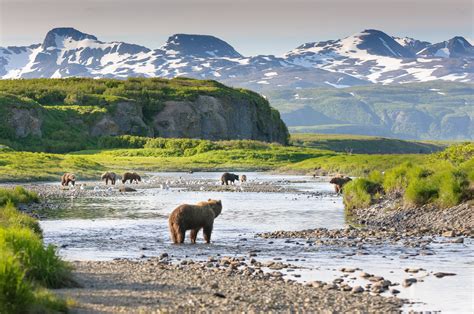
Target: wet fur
(109, 176)
(129, 176)
(68, 178)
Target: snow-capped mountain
(364, 58)
(456, 47)
(67, 52)
(374, 56)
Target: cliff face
(231, 114)
(219, 119)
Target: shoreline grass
(27, 267)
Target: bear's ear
(209, 200)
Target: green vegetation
(445, 180)
(360, 144)
(124, 153)
(59, 115)
(430, 110)
(27, 268)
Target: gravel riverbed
(155, 285)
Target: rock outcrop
(217, 119)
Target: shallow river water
(135, 225)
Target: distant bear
(194, 217)
(132, 177)
(338, 182)
(226, 177)
(109, 176)
(243, 178)
(68, 178)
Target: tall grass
(26, 266)
(17, 195)
(42, 264)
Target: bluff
(61, 115)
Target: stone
(441, 274)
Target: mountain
(67, 52)
(370, 56)
(456, 47)
(379, 58)
(429, 110)
(413, 45)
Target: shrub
(453, 187)
(359, 193)
(17, 195)
(397, 179)
(11, 217)
(41, 264)
(15, 293)
(421, 191)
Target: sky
(251, 26)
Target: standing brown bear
(243, 178)
(132, 177)
(68, 178)
(109, 176)
(226, 177)
(339, 182)
(194, 217)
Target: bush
(41, 264)
(124, 141)
(453, 187)
(421, 191)
(17, 195)
(15, 293)
(11, 217)
(397, 179)
(359, 193)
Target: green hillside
(360, 144)
(61, 115)
(433, 110)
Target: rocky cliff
(181, 109)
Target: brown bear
(132, 177)
(243, 178)
(68, 178)
(194, 217)
(226, 177)
(109, 176)
(339, 182)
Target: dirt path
(154, 286)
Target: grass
(360, 144)
(27, 267)
(445, 179)
(160, 154)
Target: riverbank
(126, 286)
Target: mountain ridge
(364, 58)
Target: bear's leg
(173, 233)
(194, 233)
(207, 233)
(181, 233)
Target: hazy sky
(252, 27)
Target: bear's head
(72, 178)
(216, 206)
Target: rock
(394, 291)
(448, 234)
(413, 270)
(163, 255)
(458, 240)
(441, 274)
(348, 269)
(219, 295)
(357, 289)
(124, 189)
(407, 282)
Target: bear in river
(194, 217)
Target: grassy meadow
(125, 153)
